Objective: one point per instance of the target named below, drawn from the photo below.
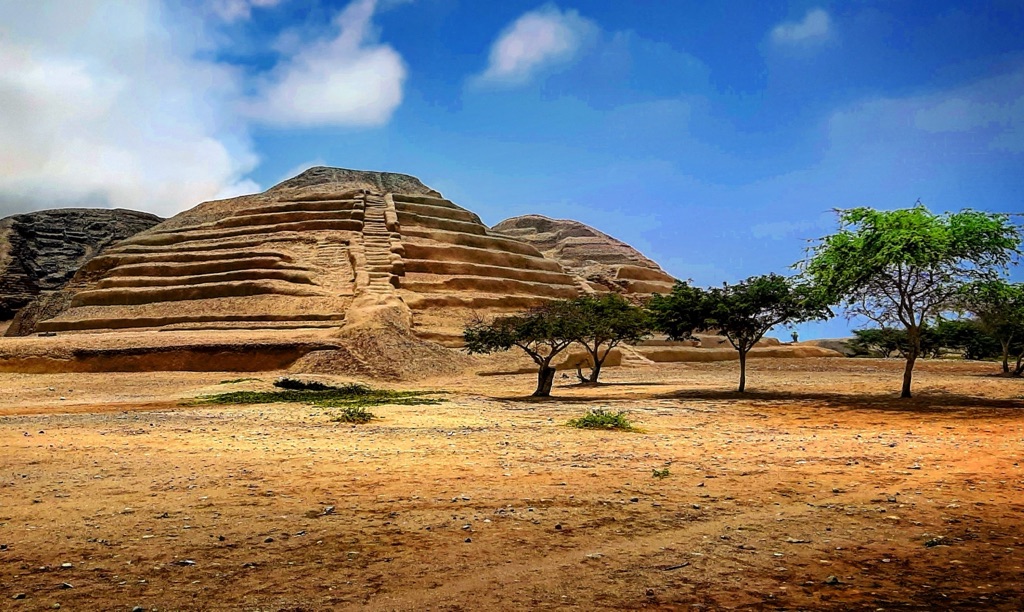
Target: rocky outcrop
(41, 251)
(598, 261)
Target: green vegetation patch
(599, 418)
(351, 397)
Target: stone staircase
(380, 261)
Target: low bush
(354, 414)
(599, 418)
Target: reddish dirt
(489, 502)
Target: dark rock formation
(41, 251)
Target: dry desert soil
(817, 489)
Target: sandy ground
(818, 489)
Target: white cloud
(536, 40)
(238, 10)
(107, 106)
(976, 118)
(348, 80)
(815, 26)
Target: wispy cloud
(114, 110)
(979, 118)
(535, 41)
(815, 26)
(348, 80)
(238, 10)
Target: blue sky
(714, 136)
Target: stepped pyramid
(318, 250)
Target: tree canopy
(542, 333)
(602, 323)
(998, 308)
(743, 312)
(907, 266)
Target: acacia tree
(602, 323)
(998, 309)
(743, 312)
(542, 333)
(907, 266)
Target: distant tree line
(932, 283)
(993, 328)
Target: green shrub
(354, 414)
(599, 418)
(660, 474)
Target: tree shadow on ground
(563, 399)
(601, 385)
(925, 402)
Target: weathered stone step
(347, 194)
(291, 206)
(269, 220)
(460, 268)
(473, 240)
(459, 253)
(211, 244)
(303, 226)
(124, 259)
(481, 300)
(408, 219)
(202, 267)
(443, 212)
(291, 276)
(490, 285)
(423, 199)
(124, 323)
(135, 296)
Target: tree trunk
(1006, 356)
(743, 370)
(596, 371)
(545, 379)
(908, 374)
(1019, 370)
(913, 352)
(579, 373)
